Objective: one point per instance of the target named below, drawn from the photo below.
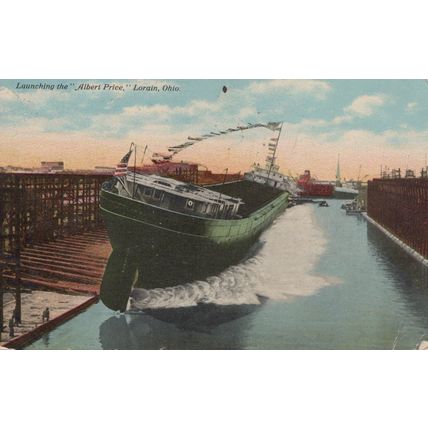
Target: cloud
(30, 98)
(246, 112)
(240, 105)
(317, 88)
(366, 105)
(411, 107)
(317, 150)
(138, 110)
(309, 141)
(194, 108)
(6, 94)
(303, 146)
(341, 119)
(362, 106)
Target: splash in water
(280, 269)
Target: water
(318, 279)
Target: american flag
(122, 166)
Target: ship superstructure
(311, 187)
(269, 173)
(173, 195)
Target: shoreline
(409, 250)
(63, 307)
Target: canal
(318, 279)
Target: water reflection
(407, 275)
(127, 270)
(204, 326)
(120, 275)
(45, 340)
(379, 301)
(163, 306)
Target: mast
(338, 171)
(144, 154)
(125, 160)
(272, 162)
(224, 181)
(426, 169)
(135, 167)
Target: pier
(52, 240)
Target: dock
(407, 248)
(62, 307)
(53, 250)
(400, 207)
(71, 264)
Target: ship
(160, 224)
(310, 187)
(346, 190)
(145, 211)
(269, 175)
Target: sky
(368, 122)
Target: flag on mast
(122, 166)
(273, 126)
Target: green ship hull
(143, 227)
(175, 247)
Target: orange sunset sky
(369, 122)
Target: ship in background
(311, 187)
(157, 223)
(344, 190)
(269, 174)
(163, 164)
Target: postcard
(213, 214)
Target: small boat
(352, 208)
(353, 212)
(323, 204)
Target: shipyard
(68, 264)
(210, 244)
(236, 236)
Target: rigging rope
(273, 126)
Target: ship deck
(253, 194)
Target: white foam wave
(281, 269)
